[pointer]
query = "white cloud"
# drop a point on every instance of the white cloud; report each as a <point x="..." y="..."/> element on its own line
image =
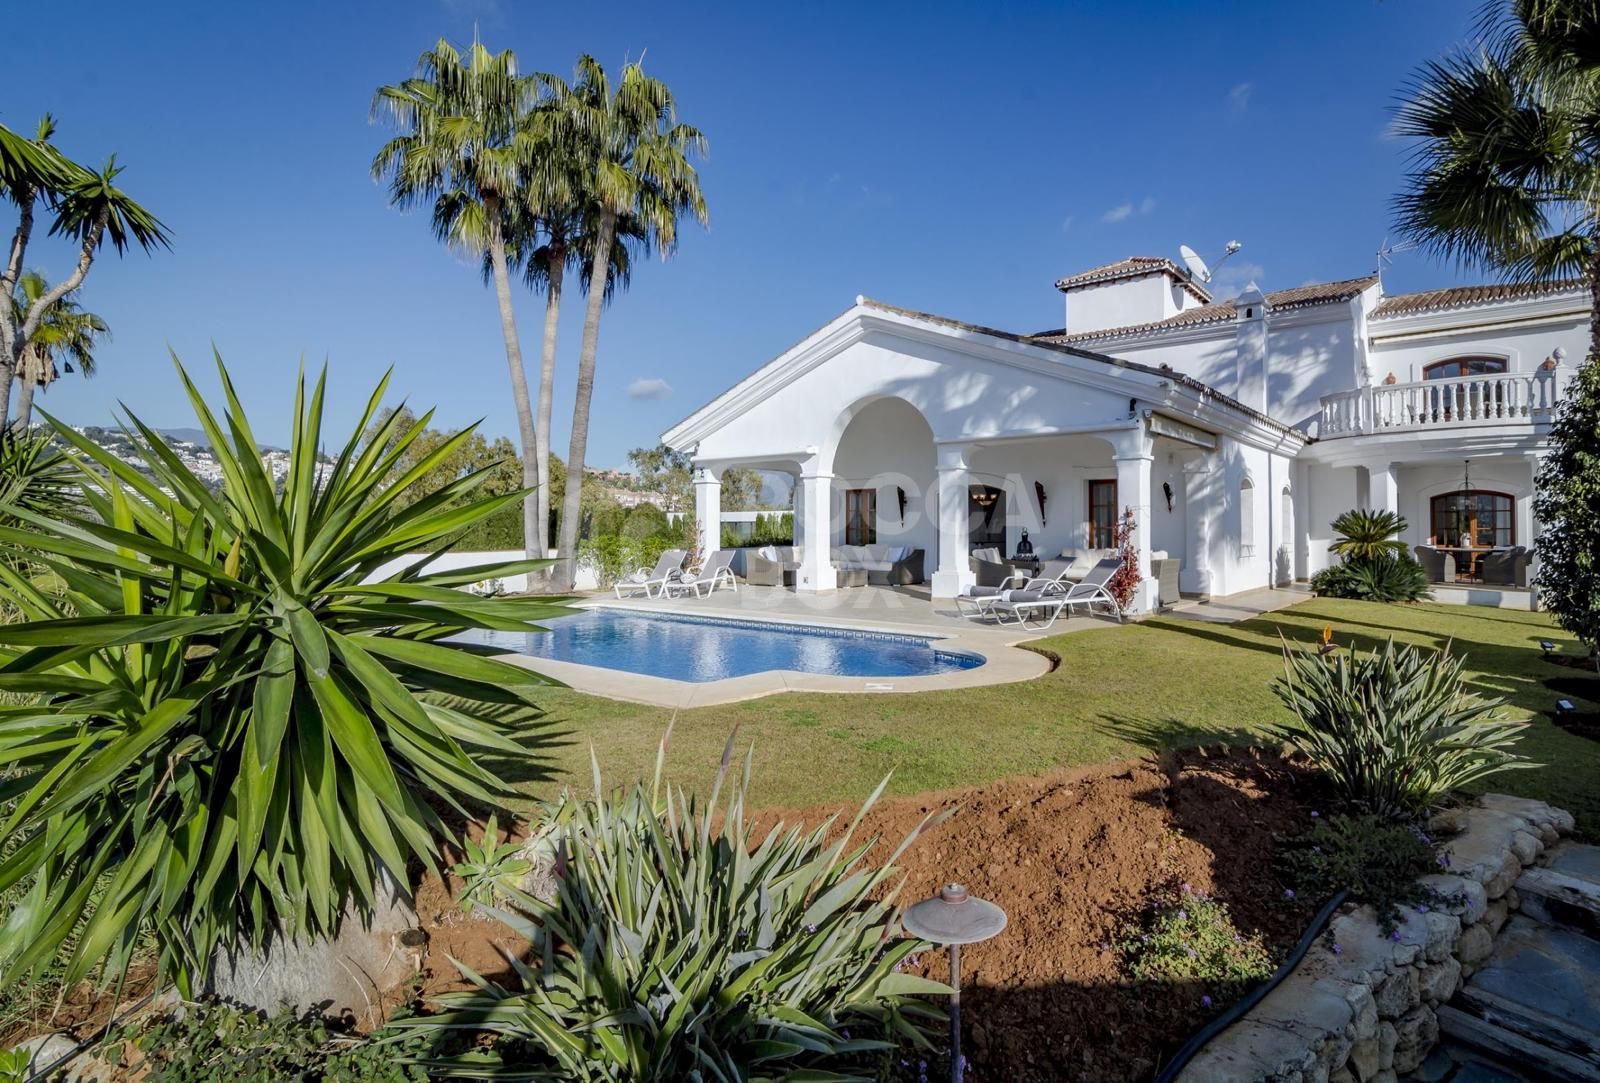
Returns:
<point x="1124" y="211"/>
<point x="652" y="387"/>
<point x="1239" y="96"/>
<point x="1066" y="223"/>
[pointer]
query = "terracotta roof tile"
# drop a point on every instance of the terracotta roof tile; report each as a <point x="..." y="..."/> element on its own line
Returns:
<point x="1135" y="267"/>
<point x="1403" y="304"/>
<point x="1318" y="293"/>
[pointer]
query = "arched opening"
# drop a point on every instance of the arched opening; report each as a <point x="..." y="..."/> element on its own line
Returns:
<point x="1474" y="393"/>
<point x="1285" y="557"/>
<point x="884" y="470"/>
<point x="1471" y="522"/>
<point x="1247" y="516"/>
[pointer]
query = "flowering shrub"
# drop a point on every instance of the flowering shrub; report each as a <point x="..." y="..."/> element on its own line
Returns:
<point x="1124" y="582"/>
<point x="1188" y="936"/>
<point x="1376" y="858"/>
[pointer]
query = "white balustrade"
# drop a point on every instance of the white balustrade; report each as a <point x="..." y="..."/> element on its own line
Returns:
<point x="1501" y="398"/>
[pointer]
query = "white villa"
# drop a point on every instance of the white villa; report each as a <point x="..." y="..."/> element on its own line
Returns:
<point x="1236" y="430"/>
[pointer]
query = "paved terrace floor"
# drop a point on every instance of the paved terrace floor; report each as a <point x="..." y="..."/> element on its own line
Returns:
<point x="906" y="610"/>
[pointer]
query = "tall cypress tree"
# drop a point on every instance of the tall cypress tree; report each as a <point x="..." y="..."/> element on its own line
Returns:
<point x="1567" y="505"/>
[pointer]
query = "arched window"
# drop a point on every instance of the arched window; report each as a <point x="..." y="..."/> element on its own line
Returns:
<point x="1247" y="515"/>
<point x="1474" y="520"/>
<point x="1464" y="366"/>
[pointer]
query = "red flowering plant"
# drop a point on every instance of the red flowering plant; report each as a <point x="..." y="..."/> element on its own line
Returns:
<point x="1124" y="582"/>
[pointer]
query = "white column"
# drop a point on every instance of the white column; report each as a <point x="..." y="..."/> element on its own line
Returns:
<point x="1198" y="507"/>
<point x="1133" y="456"/>
<point x="814" y="529"/>
<point x="1383" y="490"/>
<point x="708" y="509"/>
<point x="954" y="573"/>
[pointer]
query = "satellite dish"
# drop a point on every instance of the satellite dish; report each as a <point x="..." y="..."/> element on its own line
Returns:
<point x="1197" y="266"/>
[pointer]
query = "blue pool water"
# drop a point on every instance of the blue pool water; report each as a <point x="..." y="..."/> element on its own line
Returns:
<point x="701" y="649"/>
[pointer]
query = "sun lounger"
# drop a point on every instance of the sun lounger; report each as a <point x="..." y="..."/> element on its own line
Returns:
<point x="716" y="571"/>
<point x="669" y="569"/>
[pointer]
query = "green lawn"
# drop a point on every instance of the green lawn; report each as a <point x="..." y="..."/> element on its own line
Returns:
<point x="1116" y="693"/>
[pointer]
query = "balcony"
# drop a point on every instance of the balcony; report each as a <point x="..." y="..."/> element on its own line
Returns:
<point x="1502" y="398"/>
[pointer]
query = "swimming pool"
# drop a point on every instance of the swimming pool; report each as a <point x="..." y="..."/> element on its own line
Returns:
<point x="700" y="649"/>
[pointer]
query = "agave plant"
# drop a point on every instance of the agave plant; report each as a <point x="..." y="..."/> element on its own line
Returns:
<point x="491" y="868"/>
<point x="680" y="945"/>
<point x="1394" y="729"/>
<point x="237" y="733"/>
<point x="1367" y="535"/>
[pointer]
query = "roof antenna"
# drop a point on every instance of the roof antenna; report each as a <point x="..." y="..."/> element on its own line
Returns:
<point x="1197" y="266"/>
<point x="1386" y="254"/>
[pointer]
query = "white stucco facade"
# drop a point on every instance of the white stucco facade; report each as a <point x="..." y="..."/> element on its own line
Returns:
<point x="1235" y="431"/>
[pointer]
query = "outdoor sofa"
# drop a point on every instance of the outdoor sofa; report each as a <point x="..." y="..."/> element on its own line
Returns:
<point x="771" y="565"/>
<point x="1507" y="566"/>
<point x="893" y="565"/>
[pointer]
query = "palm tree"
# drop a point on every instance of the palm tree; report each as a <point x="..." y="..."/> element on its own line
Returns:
<point x="633" y="161"/>
<point x="1506" y="174"/>
<point x="546" y="246"/>
<point x="66" y="336"/>
<point x="466" y="146"/>
<point x="1368" y="535"/>
<point x="89" y="209"/>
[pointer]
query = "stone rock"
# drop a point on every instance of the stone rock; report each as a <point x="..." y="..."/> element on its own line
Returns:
<point x="1385" y="1075"/>
<point x="1527" y="846"/>
<point x="1365" y="1009"/>
<point x="1315" y="1008"/>
<point x="1251" y="1050"/>
<point x="1388" y="1038"/>
<point x="1475" y="945"/>
<point x="1440" y="981"/>
<point x="1342" y="1075"/>
<point x="1457" y="895"/>
<point x="1536" y="813"/>
<point x="1513" y="898"/>
<point x="1494" y="918"/>
<point x="1484" y="848"/>
<point x="1442" y="932"/>
<point x="542" y="854"/>
<point x="1398" y="992"/>
<point x="1364" y="1058"/>
<point x="347" y="974"/>
<point x="1417" y="1032"/>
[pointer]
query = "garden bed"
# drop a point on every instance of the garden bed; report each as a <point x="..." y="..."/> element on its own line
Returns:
<point x="1073" y="857"/>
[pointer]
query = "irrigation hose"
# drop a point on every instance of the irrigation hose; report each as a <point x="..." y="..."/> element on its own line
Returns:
<point x="1198" y="1040"/>
<point x="38" y="1075"/>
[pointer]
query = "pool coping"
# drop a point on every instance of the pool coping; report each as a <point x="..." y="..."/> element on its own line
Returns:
<point x="1004" y="663"/>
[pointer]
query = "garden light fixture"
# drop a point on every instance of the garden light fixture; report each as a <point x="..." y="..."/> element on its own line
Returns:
<point x="953" y="918"/>
<point x="1546" y="646"/>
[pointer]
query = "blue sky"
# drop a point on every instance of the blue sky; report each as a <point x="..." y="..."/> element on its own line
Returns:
<point x="952" y="158"/>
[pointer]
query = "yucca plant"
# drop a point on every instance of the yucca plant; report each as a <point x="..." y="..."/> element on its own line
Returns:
<point x="237" y="733"/>
<point x="1367" y="535"/>
<point x="1394" y="729"/>
<point x="679" y="945"/>
<point x="35" y="475"/>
